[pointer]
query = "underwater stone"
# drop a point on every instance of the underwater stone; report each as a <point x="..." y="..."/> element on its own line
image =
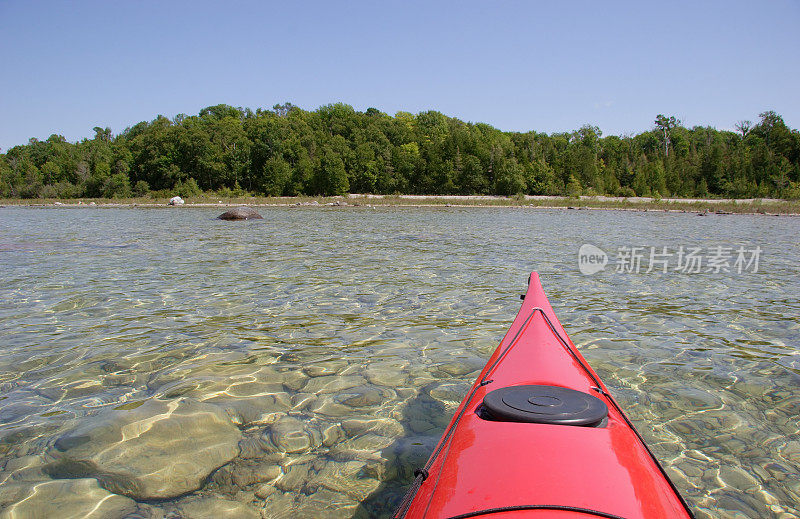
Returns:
<point x="369" y="442"/>
<point x="213" y="507"/>
<point x="332" y="384"/>
<point x="344" y="477"/>
<point x="450" y="391"/>
<point x="291" y="435"/>
<point x="63" y="498"/>
<point x="256" y="409"/>
<point x="383" y="426"/>
<point x="294" y="478"/>
<point x="332" y="434"/>
<point x="389" y="373"/>
<point x="361" y="397"/>
<point x="294" y="380"/>
<point x="265" y="490"/>
<point x="243" y="473"/>
<point x="157" y="450"/>
<point x="301" y="401"/>
<point x="327" y="504"/>
<point x="321" y="369"/>
<point x="327" y="406"/>
<point x="458" y="368"/>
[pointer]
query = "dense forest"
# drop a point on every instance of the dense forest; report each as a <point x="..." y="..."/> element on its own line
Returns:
<point x="336" y="150"/>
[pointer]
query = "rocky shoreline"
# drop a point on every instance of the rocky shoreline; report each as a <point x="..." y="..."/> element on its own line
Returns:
<point x="770" y="207"/>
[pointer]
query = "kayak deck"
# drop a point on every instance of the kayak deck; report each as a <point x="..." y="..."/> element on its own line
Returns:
<point x="535" y="470"/>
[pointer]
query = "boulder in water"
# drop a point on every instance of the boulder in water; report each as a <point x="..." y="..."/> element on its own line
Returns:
<point x="240" y="213"/>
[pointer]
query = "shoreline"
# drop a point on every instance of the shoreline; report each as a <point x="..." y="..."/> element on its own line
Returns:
<point x="767" y="207"/>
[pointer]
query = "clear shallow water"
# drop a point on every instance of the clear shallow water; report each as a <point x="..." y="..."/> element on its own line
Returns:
<point x="338" y="342"/>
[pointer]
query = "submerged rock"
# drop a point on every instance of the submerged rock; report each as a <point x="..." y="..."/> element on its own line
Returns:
<point x="292" y="436"/>
<point x="23" y="469"/>
<point x="244" y="473"/>
<point x="450" y="392"/>
<point x="387" y="373"/>
<point x="255" y="408"/>
<point x="325" y="503"/>
<point x="343" y="477"/>
<point x="332" y="384"/>
<point x="240" y="213"/>
<point x="264" y="490"/>
<point x="328" y="367"/>
<point x="294" y="478"/>
<point x="332" y="434"/>
<point x="383" y="426"/>
<point x="213" y="507"/>
<point x="461" y="367"/>
<point x="157" y="450"/>
<point x="65" y="498"/>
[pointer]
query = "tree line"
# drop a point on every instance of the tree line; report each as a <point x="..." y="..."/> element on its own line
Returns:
<point x="337" y="149"/>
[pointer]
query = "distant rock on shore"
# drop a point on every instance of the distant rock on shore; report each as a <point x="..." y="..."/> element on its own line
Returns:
<point x="240" y="213"/>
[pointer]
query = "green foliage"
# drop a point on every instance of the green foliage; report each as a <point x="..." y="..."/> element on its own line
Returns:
<point x="235" y="192"/>
<point x="510" y="179"/>
<point x="331" y="178"/>
<point x="337" y="149"/>
<point x="573" y="188"/>
<point x="59" y="190"/>
<point x="117" y="186"/>
<point x="187" y="189"/>
<point x="276" y="177"/>
<point x="141" y="188"/>
<point x="640" y="184"/>
<point x="625" y="192"/>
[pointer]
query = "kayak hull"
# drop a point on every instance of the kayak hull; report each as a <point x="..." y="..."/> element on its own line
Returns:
<point x="510" y="469"/>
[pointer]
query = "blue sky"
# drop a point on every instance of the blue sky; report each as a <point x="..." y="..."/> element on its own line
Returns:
<point x="66" y="67"/>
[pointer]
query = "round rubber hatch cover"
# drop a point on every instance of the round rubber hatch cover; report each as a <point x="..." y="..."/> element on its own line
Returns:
<point x="545" y="404"/>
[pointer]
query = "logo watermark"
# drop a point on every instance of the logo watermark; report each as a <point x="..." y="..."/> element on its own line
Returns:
<point x="591" y="259"/>
<point x="681" y="259"/>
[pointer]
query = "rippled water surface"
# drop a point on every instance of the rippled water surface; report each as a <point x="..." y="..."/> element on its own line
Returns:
<point x="159" y="362"/>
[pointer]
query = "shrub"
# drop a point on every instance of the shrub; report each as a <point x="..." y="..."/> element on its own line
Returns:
<point x="573" y="187"/>
<point x="188" y="189"/>
<point x="236" y="192"/>
<point x="141" y="188"/>
<point x="626" y="192"/>
<point x="117" y="186"/>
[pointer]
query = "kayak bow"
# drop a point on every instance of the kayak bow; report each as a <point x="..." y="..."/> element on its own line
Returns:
<point x="539" y="436"/>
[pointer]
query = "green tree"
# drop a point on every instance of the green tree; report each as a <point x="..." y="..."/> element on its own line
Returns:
<point x="665" y="125"/>
<point x="141" y="188"/>
<point x="331" y="176"/>
<point x="573" y="187"/>
<point x="473" y="180"/>
<point x="288" y="150"/>
<point x="117" y="186"/>
<point x="510" y="179"/>
<point x="276" y="177"/>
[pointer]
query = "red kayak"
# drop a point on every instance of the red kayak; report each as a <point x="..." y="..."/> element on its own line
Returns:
<point x="539" y="436"/>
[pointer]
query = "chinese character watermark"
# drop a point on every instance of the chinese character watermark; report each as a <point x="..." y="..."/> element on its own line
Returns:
<point x="684" y="260"/>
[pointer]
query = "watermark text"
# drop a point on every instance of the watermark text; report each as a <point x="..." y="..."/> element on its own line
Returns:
<point x="681" y="259"/>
